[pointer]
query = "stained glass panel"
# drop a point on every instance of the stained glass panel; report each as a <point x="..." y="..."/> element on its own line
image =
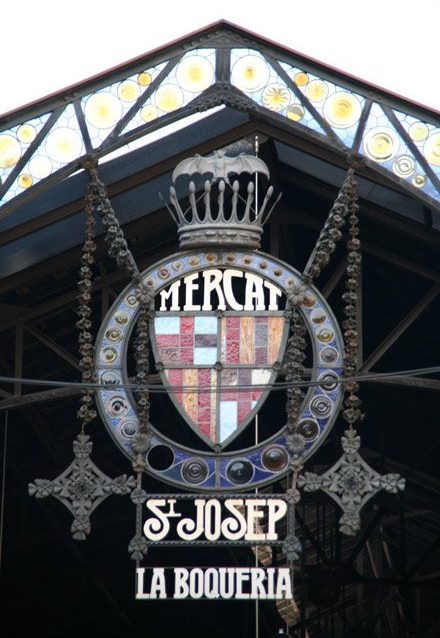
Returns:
<point x="192" y="75"/>
<point x="104" y="108"/>
<point x="382" y="144"/>
<point x="63" y="144"/>
<point x="252" y="74"/>
<point x="340" y="107"/>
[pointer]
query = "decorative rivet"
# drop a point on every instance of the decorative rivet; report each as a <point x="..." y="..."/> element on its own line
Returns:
<point x="117" y="406"/>
<point x="132" y="301"/>
<point x="110" y="355"/>
<point x="121" y="318"/>
<point x="113" y="334"/>
<point x="194" y="471"/>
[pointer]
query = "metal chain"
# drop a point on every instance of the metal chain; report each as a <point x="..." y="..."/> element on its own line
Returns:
<point x="295" y="352"/>
<point x="331" y="232"/>
<point x="351" y="411"/>
<point x="118" y="248"/>
<point x="86" y="412"/>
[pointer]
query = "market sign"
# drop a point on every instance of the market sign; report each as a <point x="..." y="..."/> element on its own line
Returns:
<point x="213" y="583"/>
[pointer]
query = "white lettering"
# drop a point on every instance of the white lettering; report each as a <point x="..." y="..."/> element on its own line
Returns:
<point x="253" y="514"/>
<point x="228" y="275"/>
<point x="181" y="589"/>
<point x="277" y="509"/>
<point x="190" y="287"/>
<point x="218" y="287"/>
<point x="274" y="292"/>
<point x="157" y="587"/>
<point x="254" y="292"/>
<point x="212" y="282"/>
<point x="172" y="292"/>
<point x="284" y="584"/>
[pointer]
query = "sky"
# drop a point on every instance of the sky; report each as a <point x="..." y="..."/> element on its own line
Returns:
<point x="48" y="45"/>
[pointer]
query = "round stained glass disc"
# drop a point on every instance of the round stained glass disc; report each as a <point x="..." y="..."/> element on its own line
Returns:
<point x="275" y="97"/>
<point x="418" y="131"/>
<point x="40" y="166"/>
<point x="342" y="109"/>
<point x="26" y="133"/>
<point x="317" y="91"/>
<point x="240" y="471"/>
<point x="194" y="471"/>
<point x="63" y="145"/>
<point x="10" y="151"/>
<point x="250" y="73"/>
<point x="128" y="91"/>
<point x="381" y="144"/>
<point x="144" y="78"/>
<point x="431" y="149"/>
<point x="149" y="113"/>
<point x="295" y="112"/>
<point x="404" y="165"/>
<point x="195" y="73"/>
<point x="25" y="180"/>
<point x="301" y="78"/>
<point x="103" y="110"/>
<point x="169" y="97"/>
<point x="419" y="181"/>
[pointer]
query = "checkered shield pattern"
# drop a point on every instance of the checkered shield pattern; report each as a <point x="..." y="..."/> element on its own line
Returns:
<point x="217" y="368"/>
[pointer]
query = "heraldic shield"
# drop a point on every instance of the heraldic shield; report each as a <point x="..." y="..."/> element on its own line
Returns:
<point x="219" y="367"/>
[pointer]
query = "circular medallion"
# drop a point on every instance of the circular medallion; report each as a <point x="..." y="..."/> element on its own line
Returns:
<point x="187" y="344"/>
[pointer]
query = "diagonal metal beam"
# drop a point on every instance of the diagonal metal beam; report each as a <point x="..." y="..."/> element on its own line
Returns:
<point x="400" y="328"/>
<point x="55" y="347"/>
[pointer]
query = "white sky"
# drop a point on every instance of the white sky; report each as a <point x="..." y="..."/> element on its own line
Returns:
<point x="48" y="45"/>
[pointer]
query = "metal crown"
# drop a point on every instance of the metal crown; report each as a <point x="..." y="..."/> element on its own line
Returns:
<point x="220" y="216"/>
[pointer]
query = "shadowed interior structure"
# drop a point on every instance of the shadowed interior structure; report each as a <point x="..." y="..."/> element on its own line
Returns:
<point x="220" y="88"/>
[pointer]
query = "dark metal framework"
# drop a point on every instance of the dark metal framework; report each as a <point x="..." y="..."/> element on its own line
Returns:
<point x="385" y="581"/>
<point x="223" y="37"/>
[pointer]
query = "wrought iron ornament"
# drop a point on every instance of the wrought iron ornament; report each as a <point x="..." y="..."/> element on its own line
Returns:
<point x="215" y="379"/>
<point x="82" y="487"/>
<point x="351" y="482"/>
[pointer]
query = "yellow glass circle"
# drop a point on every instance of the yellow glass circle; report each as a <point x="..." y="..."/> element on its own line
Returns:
<point x="317" y="90"/>
<point x="295" y="112"/>
<point x="149" y="113"/>
<point x="144" y="78"/>
<point x="40" y="166"/>
<point x="381" y="144"/>
<point x="128" y="91"/>
<point x="275" y="97"/>
<point x="419" y="181"/>
<point x="195" y="73"/>
<point x="169" y="97"/>
<point x="431" y="149"/>
<point x="63" y="145"/>
<point x="250" y="73"/>
<point x="404" y="165"/>
<point x="25" y="180"/>
<point x="301" y="78"/>
<point x="418" y="131"/>
<point x="342" y="109"/>
<point x="103" y="110"/>
<point x="26" y="133"/>
<point x="10" y="151"/>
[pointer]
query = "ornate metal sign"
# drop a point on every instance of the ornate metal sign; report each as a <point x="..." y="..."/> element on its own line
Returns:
<point x="227" y="324"/>
<point x="219" y="333"/>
